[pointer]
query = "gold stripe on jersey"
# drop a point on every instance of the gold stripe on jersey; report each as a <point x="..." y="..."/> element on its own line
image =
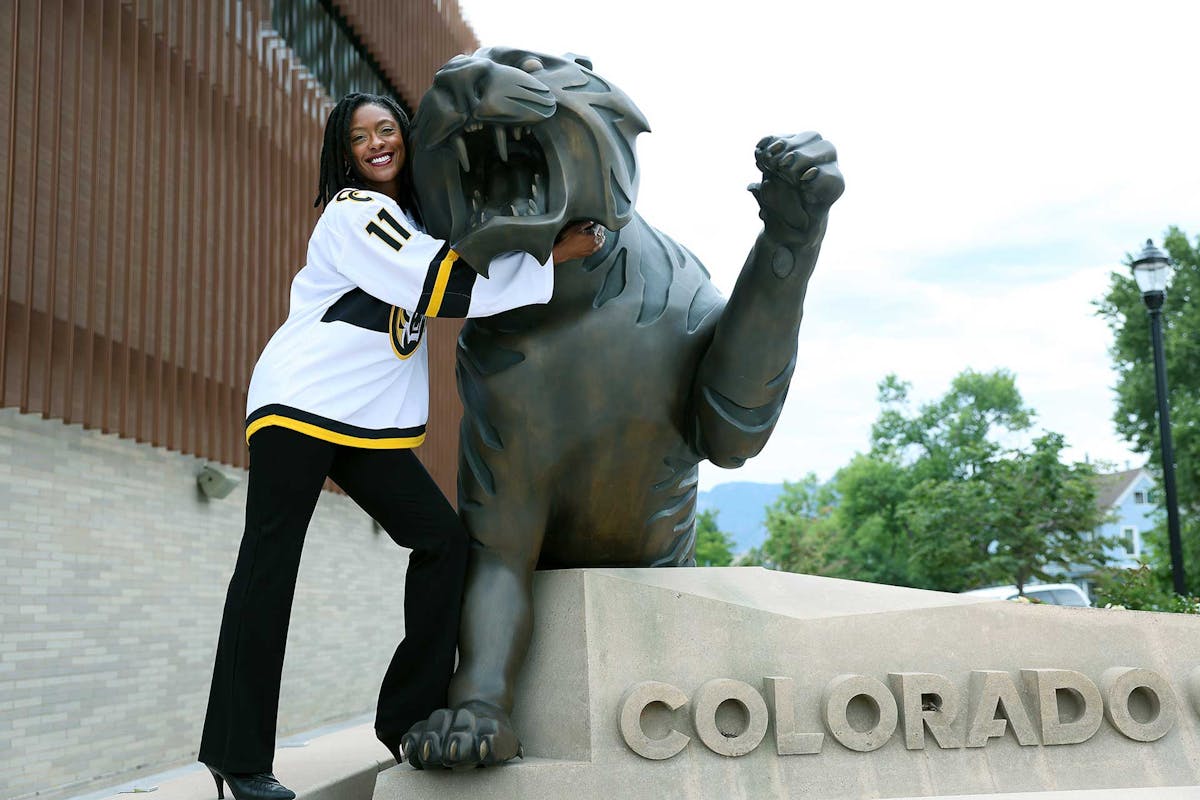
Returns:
<point x="439" y="286"/>
<point x="317" y="432"/>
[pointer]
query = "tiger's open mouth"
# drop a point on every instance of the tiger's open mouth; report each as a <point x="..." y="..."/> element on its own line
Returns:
<point x="502" y="171"/>
<point x="510" y="147"/>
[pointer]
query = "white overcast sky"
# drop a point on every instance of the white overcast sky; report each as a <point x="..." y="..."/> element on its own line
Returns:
<point x="1001" y="158"/>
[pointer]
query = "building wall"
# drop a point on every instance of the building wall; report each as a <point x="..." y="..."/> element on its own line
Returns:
<point x="112" y="582"/>
<point x="159" y="164"/>
<point x="159" y="200"/>
<point x="408" y="61"/>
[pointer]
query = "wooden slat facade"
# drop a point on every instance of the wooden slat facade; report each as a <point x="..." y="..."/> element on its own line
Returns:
<point x="156" y="200"/>
<point x="409" y="63"/>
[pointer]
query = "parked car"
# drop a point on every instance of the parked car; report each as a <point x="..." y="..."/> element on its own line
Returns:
<point x="1055" y="594"/>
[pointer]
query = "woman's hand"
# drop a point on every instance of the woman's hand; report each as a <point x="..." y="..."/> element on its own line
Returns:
<point x="578" y="240"/>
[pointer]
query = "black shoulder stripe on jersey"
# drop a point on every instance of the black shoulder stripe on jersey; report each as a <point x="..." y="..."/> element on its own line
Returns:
<point x="457" y="300"/>
<point x="361" y="310"/>
<point x="431" y="276"/>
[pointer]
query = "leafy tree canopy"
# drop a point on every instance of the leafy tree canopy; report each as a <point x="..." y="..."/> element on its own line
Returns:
<point x="952" y="437"/>
<point x="798" y="527"/>
<point x="945" y="499"/>
<point x="714" y="547"/>
<point x="1022" y="515"/>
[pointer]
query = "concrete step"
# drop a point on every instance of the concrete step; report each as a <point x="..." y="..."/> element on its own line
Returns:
<point x="338" y="765"/>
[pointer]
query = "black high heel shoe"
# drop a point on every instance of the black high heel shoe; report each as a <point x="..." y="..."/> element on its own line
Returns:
<point x="250" y="785"/>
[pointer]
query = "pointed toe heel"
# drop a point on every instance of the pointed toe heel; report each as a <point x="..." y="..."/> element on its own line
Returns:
<point x="250" y="785"/>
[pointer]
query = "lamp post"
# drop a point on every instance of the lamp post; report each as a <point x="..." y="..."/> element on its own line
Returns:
<point x="1150" y="270"/>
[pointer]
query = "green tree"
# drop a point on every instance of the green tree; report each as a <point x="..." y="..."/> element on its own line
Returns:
<point x="1136" y="416"/>
<point x="714" y="547"/>
<point x="869" y="541"/>
<point x="954" y="436"/>
<point x="931" y="448"/>
<point x="946" y="499"/>
<point x="798" y="527"/>
<point x="1021" y="515"/>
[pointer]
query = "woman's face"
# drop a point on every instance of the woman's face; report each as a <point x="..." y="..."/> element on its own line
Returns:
<point x="377" y="147"/>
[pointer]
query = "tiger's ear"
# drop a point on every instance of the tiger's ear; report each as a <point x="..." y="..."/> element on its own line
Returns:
<point x="582" y="61"/>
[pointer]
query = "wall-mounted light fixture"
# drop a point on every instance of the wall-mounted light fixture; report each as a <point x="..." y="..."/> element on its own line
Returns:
<point x="215" y="482"/>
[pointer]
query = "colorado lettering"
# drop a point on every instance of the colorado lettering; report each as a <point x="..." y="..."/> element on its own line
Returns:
<point x="927" y="709"/>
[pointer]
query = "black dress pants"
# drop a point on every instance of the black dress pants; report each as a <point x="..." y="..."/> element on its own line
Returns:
<point x="287" y="470"/>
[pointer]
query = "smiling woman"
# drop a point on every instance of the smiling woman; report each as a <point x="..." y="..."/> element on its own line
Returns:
<point x="341" y="392"/>
<point x="366" y="147"/>
<point x="378" y="147"/>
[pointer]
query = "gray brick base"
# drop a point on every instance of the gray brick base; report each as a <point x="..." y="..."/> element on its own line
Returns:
<point x="113" y="569"/>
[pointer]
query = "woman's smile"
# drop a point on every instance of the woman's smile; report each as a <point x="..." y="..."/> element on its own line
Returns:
<point x="378" y="147"/>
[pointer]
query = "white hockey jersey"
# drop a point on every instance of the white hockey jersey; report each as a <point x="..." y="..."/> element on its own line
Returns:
<point x="348" y="365"/>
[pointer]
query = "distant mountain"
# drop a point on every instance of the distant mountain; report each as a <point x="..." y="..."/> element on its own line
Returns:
<point x="741" y="508"/>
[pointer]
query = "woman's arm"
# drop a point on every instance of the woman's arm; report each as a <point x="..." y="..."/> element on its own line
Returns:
<point x="386" y="256"/>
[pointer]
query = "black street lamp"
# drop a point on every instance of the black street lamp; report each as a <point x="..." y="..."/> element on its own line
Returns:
<point x="1150" y="270"/>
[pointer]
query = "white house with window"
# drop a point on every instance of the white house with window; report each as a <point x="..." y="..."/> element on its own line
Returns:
<point x="1130" y="497"/>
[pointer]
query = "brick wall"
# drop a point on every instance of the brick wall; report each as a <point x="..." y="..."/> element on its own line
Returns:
<point x="113" y="570"/>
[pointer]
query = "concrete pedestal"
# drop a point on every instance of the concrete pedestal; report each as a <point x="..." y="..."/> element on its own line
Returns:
<point x="747" y="683"/>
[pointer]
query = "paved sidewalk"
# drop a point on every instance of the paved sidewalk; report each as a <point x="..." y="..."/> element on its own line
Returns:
<point x="1150" y="793"/>
<point x="335" y="763"/>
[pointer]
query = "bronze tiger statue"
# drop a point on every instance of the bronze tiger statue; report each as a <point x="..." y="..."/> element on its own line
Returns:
<point x="585" y="418"/>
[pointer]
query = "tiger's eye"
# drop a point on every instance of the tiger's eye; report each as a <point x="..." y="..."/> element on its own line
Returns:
<point x="532" y="64"/>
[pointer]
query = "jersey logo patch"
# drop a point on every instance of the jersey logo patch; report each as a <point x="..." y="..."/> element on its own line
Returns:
<point x="351" y="194"/>
<point x="407" y="331"/>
